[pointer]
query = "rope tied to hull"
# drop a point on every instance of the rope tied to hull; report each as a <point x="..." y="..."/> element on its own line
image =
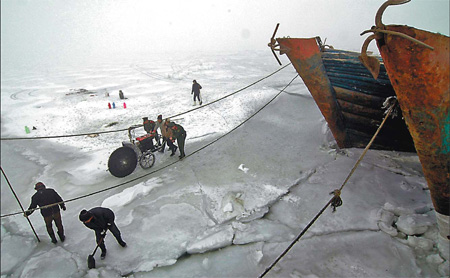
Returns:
<point x="391" y="104"/>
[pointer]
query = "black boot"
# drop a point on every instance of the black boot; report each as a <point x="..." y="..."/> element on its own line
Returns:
<point x="174" y="150"/>
<point x="62" y="237"/>
<point x="52" y="236"/>
<point x="163" y="146"/>
<point x="122" y="243"/>
<point x="103" y="255"/>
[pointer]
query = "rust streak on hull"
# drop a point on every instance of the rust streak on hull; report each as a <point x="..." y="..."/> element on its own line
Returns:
<point x="348" y="97"/>
<point x="306" y="58"/>
<point x="420" y="77"/>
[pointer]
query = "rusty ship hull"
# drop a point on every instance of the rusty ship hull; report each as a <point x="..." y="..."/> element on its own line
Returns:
<point x="347" y="95"/>
<point x="420" y="78"/>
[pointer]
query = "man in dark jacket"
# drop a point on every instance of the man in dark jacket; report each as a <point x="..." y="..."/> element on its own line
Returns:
<point x="101" y="219"/>
<point x="179" y="134"/>
<point x="121" y="96"/>
<point x="149" y="127"/>
<point x="46" y="196"/>
<point x="196" y="91"/>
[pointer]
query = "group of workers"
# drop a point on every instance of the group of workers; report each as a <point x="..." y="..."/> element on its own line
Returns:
<point x="101" y="219"/>
<point x="98" y="219"/>
<point x="170" y="132"/>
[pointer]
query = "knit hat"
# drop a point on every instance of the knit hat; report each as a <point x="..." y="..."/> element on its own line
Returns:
<point x="39" y="185"/>
<point x="85" y="215"/>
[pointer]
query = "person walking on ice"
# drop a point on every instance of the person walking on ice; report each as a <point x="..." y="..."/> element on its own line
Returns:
<point x="43" y="197"/>
<point x="196" y="91"/>
<point x="101" y="219"/>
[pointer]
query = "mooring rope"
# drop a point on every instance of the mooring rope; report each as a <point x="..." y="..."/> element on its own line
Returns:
<point x="125" y="129"/>
<point x="20" y="204"/>
<point x="336" y="200"/>
<point x="159" y="169"/>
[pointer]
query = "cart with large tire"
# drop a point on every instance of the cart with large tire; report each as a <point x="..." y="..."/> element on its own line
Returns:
<point x="124" y="160"/>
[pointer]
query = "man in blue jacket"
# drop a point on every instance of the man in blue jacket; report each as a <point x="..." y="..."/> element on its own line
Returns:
<point x="43" y="197"/>
<point x="101" y="219"/>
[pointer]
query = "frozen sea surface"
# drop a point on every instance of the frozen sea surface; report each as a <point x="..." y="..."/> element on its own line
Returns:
<point x="226" y="210"/>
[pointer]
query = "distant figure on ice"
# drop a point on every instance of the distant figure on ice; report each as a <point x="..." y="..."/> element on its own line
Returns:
<point x="101" y="219"/>
<point x="46" y="196"/>
<point x="121" y="94"/>
<point x="196" y="91"/>
<point x="179" y="134"/>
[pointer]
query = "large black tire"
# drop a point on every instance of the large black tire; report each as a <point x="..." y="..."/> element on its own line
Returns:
<point x="122" y="162"/>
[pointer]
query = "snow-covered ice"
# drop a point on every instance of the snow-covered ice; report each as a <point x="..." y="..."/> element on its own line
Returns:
<point x="227" y="210"/>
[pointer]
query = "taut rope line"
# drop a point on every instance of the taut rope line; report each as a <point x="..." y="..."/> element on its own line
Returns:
<point x="157" y="170"/>
<point x="336" y="200"/>
<point x="20" y="204"/>
<point x="125" y="129"/>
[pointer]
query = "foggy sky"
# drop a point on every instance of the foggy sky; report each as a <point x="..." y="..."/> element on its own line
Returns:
<point x="34" y="31"/>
